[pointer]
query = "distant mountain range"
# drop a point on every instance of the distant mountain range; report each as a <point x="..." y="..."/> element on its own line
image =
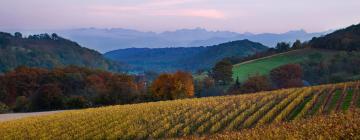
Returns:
<point x="183" y="58"/>
<point x="105" y="40"/>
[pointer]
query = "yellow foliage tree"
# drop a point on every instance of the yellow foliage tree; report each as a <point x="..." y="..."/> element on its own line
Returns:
<point x="173" y="86"/>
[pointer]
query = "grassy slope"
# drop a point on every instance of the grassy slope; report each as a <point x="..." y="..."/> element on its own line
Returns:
<point x="167" y="119"/>
<point x="263" y="66"/>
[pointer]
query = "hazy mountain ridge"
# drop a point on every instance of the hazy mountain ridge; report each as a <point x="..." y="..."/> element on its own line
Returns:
<point x="105" y="40"/>
<point x="183" y="58"/>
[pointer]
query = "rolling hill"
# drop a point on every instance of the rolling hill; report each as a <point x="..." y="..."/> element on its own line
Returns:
<point x="264" y="65"/>
<point x="48" y="52"/>
<point x="190" y="59"/>
<point x="343" y="39"/>
<point x="201" y="116"/>
<point x="343" y="42"/>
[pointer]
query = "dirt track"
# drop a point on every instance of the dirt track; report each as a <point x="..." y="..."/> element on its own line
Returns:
<point x="13" y="116"/>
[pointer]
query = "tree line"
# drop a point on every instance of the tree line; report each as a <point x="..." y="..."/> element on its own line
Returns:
<point x="35" y="89"/>
<point x="280" y="47"/>
<point x="221" y="82"/>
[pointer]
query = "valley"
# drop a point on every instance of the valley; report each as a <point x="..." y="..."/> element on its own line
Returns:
<point x="179" y="70"/>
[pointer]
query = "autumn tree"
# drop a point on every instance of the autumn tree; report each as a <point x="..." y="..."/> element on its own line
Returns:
<point x="184" y="86"/>
<point x="122" y="89"/>
<point x="222" y="72"/>
<point x="256" y="83"/>
<point x="35" y="89"/>
<point x="48" y="97"/>
<point x="173" y="86"/>
<point x="286" y="76"/>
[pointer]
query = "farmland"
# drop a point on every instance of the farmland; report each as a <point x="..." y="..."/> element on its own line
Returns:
<point x="334" y="126"/>
<point x="187" y="117"/>
<point x="264" y="65"/>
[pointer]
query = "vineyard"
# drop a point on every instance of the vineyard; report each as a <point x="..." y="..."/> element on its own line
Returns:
<point x="201" y="116"/>
<point x="334" y="126"/>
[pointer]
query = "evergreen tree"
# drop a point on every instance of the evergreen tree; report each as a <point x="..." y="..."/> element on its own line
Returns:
<point x="222" y="72"/>
<point x="296" y="45"/>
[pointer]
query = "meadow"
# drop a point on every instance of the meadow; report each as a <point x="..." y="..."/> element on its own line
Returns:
<point x="187" y="117"/>
<point x="264" y="65"/>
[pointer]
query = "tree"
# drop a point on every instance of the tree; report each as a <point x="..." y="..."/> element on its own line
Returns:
<point x="208" y="82"/>
<point x="236" y="87"/>
<point x="18" y="35"/>
<point x="282" y="47"/>
<point x="4" y="42"/>
<point x="162" y="86"/>
<point x="184" y="86"/>
<point x="121" y="89"/>
<point x="173" y="86"/>
<point x="222" y="72"/>
<point x="296" y="45"/>
<point x="54" y="36"/>
<point x="256" y="83"/>
<point x="287" y="76"/>
<point x="35" y="89"/>
<point x="48" y="97"/>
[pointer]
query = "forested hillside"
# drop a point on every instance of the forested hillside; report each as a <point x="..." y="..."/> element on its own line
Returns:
<point x="191" y="59"/>
<point x="48" y="51"/>
<point x="344" y="39"/>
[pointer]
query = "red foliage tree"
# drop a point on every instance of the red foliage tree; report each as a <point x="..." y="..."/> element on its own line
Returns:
<point x="256" y="83"/>
<point x="287" y="76"/>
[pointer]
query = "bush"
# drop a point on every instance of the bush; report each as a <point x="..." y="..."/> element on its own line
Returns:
<point x="256" y="83"/>
<point x="287" y="76"/>
<point x="3" y="108"/>
<point x="75" y="102"/>
<point x="22" y="104"/>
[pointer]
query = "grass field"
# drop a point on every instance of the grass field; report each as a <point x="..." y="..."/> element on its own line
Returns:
<point x="188" y="117"/>
<point x="263" y="66"/>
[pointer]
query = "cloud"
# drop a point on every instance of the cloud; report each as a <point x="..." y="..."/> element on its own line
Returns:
<point x="203" y="13"/>
<point x="168" y="2"/>
<point x="157" y="8"/>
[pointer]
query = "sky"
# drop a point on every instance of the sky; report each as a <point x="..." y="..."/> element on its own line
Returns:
<point x="256" y="16"/>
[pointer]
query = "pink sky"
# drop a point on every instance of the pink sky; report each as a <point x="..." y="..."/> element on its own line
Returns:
<point x="159" y="15"/>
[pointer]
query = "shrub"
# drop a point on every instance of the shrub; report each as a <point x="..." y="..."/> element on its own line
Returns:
<point x="256" y="83"/>
<point x="22" y="104"/>
<point x="287" y="76"/>
<point x="75" y="102"/>
<point x="3" y="108"/>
